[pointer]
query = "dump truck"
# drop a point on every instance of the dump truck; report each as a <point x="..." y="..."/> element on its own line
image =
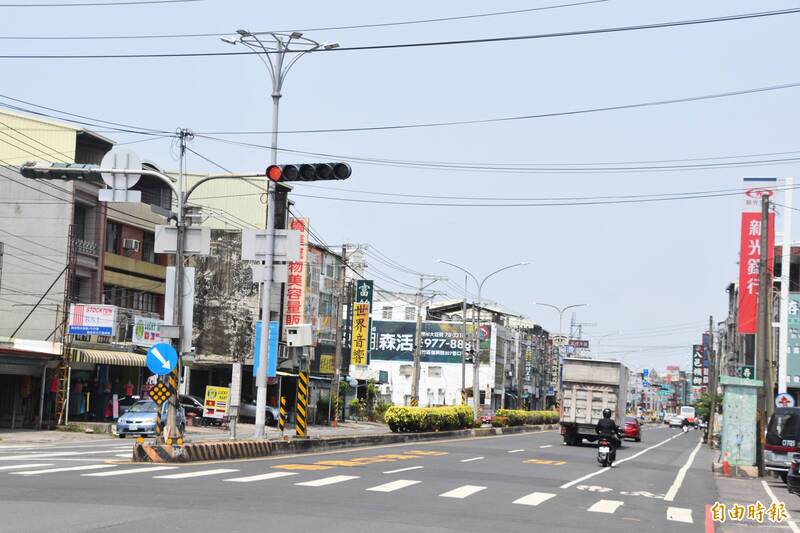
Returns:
<point x="589" y="386"/>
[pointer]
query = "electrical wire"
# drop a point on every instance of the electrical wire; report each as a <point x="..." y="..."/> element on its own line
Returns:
<point x="102" y="4"/>
<point x="325" y="28"/>
<point x="397" y="46"/>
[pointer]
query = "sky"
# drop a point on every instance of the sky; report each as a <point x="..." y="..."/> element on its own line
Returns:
<point x="651" y="273"/>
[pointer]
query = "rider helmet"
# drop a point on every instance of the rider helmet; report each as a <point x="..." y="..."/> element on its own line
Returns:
<point x="606" y="413"/>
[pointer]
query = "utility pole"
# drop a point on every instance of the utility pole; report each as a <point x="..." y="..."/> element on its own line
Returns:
<point x="418" y="337"/>
<point x="464" y="350"/>
<point x="712" y="381"/>
<point x="786" y="251"/>
<point x="762" y="337"/>
<point x="339" y="329"/>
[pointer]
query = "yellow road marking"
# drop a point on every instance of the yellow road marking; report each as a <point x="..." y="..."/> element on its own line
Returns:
<point x="360" y="461"/>
<point x="303" y="467"/>
<point x="545" y="462"/>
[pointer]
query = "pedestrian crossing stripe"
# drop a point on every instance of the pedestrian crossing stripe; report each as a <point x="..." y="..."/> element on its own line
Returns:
<point x="301" y="406"/>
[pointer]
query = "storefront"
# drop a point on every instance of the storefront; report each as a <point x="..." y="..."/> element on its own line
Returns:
<point x="23" y="374"/>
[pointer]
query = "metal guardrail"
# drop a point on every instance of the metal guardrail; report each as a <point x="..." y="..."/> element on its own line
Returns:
<point x="85" y="247"/>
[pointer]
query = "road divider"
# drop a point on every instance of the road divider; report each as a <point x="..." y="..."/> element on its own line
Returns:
<point x="244" y="449"/>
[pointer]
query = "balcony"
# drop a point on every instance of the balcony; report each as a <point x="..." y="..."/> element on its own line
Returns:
<point x="85" y="247"/>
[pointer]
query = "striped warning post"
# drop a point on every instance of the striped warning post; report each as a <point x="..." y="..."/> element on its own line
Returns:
<point x="302" y="404"/>
<point x="172" y="381"/>
<point x="463" y="397"/>
<point x="282" y="418"/>
<point x="414" y="402"/>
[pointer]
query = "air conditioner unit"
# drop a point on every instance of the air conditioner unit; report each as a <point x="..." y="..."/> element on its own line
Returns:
<point x="131" y="244"/>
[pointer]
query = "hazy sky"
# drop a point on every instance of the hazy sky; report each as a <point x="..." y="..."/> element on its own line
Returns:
<point x="654" y="271"/>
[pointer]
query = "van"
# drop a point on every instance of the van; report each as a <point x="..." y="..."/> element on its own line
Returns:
<point x="783" y="437"/>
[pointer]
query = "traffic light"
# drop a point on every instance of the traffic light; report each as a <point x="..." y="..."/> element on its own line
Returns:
<point x="56" y="171"/>
<point x="309" y="172"/>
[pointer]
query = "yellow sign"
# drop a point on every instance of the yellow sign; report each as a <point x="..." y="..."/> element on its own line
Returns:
<point x="326" y="363"/>
<point x="360" y="341"/>
<point x="216" y="404"/>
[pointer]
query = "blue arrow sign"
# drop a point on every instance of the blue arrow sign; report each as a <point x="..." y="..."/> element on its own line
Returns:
<point x="162" y="358"/>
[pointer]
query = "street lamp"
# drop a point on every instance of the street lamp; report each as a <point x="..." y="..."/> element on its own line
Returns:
<point x="272" y="49"/>
<point x="560" y="311"/>
<point x="476" y="393"/>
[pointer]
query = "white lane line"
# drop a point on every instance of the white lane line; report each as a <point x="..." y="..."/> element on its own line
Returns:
<point x="199" y="473"/>
<point x="403" y="469"/>
<point x="534" y="498"/>
<point x="606" y="506"/>
<point x="65" y="469"/>
<point x="394" y="485"/>
<point x="676" y="485"/>
<point x="124" y="455"/>
<point x="634" y="456"/>
<point x="326" y="481"/>
<point x="48" y="455"/>
<point x="679" y="514"/>
<point x="473" y="459"/>
<point x="261" y="477"/>
<point x="22" y="467"/>
<point x="140" y="470"/>
<point x="516" y="451"/>
<point x="792" y="524"/>
<point x="462" y="491"/>
<point x="546" y="446"/>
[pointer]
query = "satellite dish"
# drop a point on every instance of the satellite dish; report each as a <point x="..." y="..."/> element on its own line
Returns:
<point x="125" y="159"/>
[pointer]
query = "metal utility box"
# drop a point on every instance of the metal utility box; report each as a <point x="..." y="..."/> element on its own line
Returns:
<point x="300" y="335"/>
<point x="590" y="386"/>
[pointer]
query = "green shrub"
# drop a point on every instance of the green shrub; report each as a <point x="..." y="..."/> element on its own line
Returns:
<point x="499" y="421"/>
<point x="517" y="417"/>
<point x="422" y="419"/>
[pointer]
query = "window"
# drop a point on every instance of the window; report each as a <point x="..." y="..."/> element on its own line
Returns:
<point x="386" y="312"/>
<point x="411" y="313"/>
<point x="113" y="233"/>
<point x="148" y="247"/>
<point x="80" y="222"/>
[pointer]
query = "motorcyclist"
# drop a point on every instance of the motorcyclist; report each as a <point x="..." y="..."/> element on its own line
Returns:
<point x="606" y="427"/>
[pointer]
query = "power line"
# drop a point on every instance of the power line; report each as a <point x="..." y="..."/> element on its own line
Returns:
<point x="325" y="28"/>
<point x="103" y="4"/>
<point x="425" y="44"/>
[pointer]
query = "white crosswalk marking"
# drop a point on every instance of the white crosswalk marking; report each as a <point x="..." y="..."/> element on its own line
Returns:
<point x="124" y="455"/>
<point x="326" y="481"/>
<point x="534" y="498"/>
<point x="462" y="491"/>
<point x="403" y="469"/>
<point x="546" y="446"/>
<point x="393" y="485"/>
<point x="261" y="477"/>
<point x="516" y="451"/>
<point x="35" y="456"/>
<point x="64" y="469"/>
<point x="141" y="470"/>
<point x="472" y="459"/>
<point x="22" y="467"/>
<point x="606" y="506"/>
<point x="679" y="514"/>
<point x="198" y="473"/>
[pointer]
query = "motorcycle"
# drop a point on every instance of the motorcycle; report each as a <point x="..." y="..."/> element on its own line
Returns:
<point x="686" y="428"/>
<point x="605" y="448"/>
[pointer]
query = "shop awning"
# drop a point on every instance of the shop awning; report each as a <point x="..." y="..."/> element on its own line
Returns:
<point x="105" y="357"/>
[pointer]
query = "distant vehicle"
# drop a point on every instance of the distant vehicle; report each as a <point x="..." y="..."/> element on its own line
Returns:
<point x="675" y="421"/>
<point x="141" y="419"/>
<point x="191" y="404"/>
<point x="247" y="411"/>
<point x="792" y="476"/>
<point x="783" y="436"/>
<point x="633" y="430"/>
<point x="688" y="412"/>
<point x="590" y="386"/>
<point x="125" y="403"/>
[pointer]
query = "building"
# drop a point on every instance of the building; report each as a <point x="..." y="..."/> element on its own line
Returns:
<point x="60" y="246"/>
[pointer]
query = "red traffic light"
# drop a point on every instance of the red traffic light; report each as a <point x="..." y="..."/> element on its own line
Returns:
<point x="274" y="172"/>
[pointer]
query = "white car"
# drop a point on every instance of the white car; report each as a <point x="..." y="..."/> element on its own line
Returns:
<point x="675" y="421"/>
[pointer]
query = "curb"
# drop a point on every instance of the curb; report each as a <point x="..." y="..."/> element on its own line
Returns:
<point x="247" y="449"/>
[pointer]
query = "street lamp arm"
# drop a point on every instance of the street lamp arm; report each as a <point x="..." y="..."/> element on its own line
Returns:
<point x="558" y="309"/>
<point x="575" y="305"/>
<point x="465" y="271"/>
<point x="501" y="270"/>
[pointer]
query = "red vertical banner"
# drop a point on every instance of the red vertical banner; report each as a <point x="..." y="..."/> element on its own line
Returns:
<point x="296" y="279"/>
<point x="749" y="258"/>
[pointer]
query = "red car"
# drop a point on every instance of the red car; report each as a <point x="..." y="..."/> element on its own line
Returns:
<point x="632" y="429"/>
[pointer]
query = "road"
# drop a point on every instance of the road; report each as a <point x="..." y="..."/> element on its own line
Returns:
<point x="507" y="483"/>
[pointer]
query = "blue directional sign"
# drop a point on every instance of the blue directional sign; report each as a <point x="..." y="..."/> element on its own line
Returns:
<point x="162" y="358"/>
<point x="645" y="383"/>
<point x="272" y="359"/>
<point x="645" y="372"/>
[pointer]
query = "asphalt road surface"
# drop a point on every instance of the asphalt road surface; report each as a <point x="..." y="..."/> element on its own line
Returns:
<point x="519" y="482"/>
